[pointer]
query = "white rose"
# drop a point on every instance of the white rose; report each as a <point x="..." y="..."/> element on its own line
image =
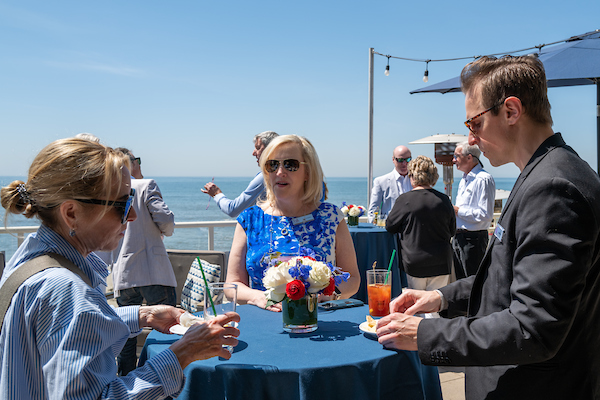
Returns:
<point x="274" y="296"/>
<point x="276" y="278"/>
<point x="318" y="277"/>
<point x="354" y="212"/>
<point x="345" y="210"/>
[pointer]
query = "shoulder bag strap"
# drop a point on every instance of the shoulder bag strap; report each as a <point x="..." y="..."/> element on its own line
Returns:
<point x="30" y="268"/>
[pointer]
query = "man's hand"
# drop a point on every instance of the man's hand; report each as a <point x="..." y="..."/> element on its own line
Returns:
<point x="398" y="331"/>
<point x="412" y="302"/>
<point x="211" y="189"/>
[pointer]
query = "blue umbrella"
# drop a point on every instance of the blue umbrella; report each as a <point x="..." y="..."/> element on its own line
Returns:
<point x="572" y="63"/>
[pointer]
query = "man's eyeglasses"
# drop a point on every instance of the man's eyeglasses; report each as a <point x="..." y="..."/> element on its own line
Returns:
<point x="136" y="159"/>
<point x="401" y="160"/>
<point x="470" y="120"/>
<point x="124" y="207"/>
<point x="289" y="164"/>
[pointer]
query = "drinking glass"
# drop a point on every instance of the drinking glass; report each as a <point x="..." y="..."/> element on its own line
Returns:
<point x="379" y="289"/>
<point x="224" y="299"/>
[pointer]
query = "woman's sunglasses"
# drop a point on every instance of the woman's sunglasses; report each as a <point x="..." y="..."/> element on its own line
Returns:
<point x="124" y="207"/>
<point x="289" y="164"/>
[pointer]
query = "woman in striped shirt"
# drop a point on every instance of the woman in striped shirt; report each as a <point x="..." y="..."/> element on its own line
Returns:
<point x="59" y="338"/>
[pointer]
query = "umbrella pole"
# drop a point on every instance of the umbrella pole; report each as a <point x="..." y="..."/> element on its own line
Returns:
<point x="598" y="122"/>
<point x="370" y="177"/>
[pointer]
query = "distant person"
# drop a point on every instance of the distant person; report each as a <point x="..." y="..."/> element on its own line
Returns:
<point x="425" y="222"/>
<point x="533" y="307"/>
<point x="256" y="187"/>
<point x="474" y="210"/>
<point x="60" y="337"/>
<point x="142" y="270"/>
<point x="136" y="163"/>
<point x="388" y="187"/>
<point x="291" y="216"/>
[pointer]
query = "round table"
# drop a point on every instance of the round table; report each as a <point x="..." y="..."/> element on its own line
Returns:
<point x="337" y="361"/>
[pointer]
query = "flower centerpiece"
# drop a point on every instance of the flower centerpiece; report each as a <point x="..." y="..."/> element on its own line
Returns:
<point x="352" y="212"/>
<point x="296" y="282"/>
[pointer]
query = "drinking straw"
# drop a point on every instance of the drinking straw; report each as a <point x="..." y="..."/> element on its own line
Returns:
<point x="206" y="289"/>
<point x="390" y="266"/>
<point x="213" y="180"/>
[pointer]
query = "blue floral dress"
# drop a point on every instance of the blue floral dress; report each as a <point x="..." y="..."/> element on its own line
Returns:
<point x="267" y="233"/>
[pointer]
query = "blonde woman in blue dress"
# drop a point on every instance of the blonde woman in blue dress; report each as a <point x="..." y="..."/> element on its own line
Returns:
<point x="291" y="217"/>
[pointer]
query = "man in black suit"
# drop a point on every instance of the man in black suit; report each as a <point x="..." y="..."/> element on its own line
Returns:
<point x="532" y="329"/>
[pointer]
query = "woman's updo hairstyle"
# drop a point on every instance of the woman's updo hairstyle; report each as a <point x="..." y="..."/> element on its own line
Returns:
<point x="66" y="169"/>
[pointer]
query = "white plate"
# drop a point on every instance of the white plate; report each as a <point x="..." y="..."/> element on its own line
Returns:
<point x="178" y="329"/>
<point x="367" y="330"/>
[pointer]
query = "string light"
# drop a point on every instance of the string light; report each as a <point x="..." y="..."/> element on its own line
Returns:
<point x="427" y="61"/>
<point x="387" y="68"/>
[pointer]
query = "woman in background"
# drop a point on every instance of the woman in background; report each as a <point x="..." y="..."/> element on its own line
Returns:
<point x="425" y="221"/>
<point x="292" y="216"/>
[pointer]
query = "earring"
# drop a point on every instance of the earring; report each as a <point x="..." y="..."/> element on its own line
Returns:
<point x="72" y="232"/>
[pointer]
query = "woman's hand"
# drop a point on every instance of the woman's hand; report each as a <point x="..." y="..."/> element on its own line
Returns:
<point x="160" y="317"/>
<point x="260" y="300"/>
<point x="206" y="340"/>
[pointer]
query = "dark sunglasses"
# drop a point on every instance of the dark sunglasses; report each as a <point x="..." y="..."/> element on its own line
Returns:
<point x="407" y="159"/>
<point x="289" y="164"/>
<point x="468" y="123"/>
<point x="124" y="207"/>
<point x="138" y="159"/>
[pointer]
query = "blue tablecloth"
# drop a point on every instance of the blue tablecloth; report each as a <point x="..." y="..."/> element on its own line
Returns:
<point x="337" y="361"/>
<point x="373" y="243"/>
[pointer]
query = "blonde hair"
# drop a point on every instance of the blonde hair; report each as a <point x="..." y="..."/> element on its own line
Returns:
<point x="423" y="171"/>
<point x="67" y="169"/>
<point x="314" y="188"/>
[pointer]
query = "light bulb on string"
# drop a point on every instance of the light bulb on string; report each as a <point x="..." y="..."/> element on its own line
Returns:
<point x="426" y="75"/>
<point x="387" y="68"/>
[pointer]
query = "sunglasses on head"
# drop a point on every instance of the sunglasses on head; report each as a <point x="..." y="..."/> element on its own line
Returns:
<point x="289" y="164"/>
<point x="124" y="207"/>
<point x="407" y="159"/>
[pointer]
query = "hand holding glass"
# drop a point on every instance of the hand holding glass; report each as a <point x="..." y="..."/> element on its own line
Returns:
<point x="220" y="298"/>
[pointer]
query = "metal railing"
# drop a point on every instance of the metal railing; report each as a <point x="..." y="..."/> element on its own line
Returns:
<point x="22" y="231"/>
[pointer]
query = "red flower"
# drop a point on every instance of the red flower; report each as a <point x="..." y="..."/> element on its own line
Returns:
<point x="328" y="291"/>
<point x="295" y="290"/>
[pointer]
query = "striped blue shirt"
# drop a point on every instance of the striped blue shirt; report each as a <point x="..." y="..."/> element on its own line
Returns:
<point x="60" y="337"/>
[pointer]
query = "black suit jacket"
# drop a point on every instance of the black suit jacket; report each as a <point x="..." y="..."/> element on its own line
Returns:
<point x="533" y="324"/>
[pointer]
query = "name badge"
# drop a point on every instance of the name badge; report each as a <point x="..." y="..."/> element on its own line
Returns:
<point x="499" y="232"/>
<point x="302" y="220"/>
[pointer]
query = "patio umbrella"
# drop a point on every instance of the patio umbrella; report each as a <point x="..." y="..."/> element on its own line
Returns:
<point x="572" y="63"/>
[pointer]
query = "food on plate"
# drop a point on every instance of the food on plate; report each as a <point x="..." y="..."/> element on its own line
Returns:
<point x="187" y="319"/>
<point x="371" y="324"/>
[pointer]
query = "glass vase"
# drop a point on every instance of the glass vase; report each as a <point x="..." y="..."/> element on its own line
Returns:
<point x="300" y="316"/>
<point x="352" y="221"/>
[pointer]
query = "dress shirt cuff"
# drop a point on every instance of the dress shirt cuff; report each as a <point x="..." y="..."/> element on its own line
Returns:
<point x="218" y="197"/>
<point x="167" y="367"/>
<point x="131" y="316"/>
<point x="444" y="304"/>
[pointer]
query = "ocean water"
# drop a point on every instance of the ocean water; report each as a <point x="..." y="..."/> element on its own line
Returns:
<point x="188" y="203"/>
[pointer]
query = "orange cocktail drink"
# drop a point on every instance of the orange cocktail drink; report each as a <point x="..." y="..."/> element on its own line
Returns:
<point x="379" y="290"/>
<point x="379" y="299"/>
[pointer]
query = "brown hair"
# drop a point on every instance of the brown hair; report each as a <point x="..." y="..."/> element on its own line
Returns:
<point x="314" y="187"/>
<point x="422" y="171"/>
<point x="66" y="169"/>
<point x="499" y="78"/>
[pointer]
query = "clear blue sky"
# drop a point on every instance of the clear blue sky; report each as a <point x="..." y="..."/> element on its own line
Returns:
<point x="186" y="84"/>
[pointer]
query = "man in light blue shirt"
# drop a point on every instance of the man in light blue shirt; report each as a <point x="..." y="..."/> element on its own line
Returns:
<point x="474" y="210"/>
<point x="256" y="187"/>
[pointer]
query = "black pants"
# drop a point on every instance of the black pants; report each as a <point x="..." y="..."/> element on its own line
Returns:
<point x="469" y="248"/>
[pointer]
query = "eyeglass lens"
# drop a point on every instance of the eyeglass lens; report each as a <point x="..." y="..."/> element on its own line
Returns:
<point x="289" y="164"/>
<point x="403" y="159"/>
